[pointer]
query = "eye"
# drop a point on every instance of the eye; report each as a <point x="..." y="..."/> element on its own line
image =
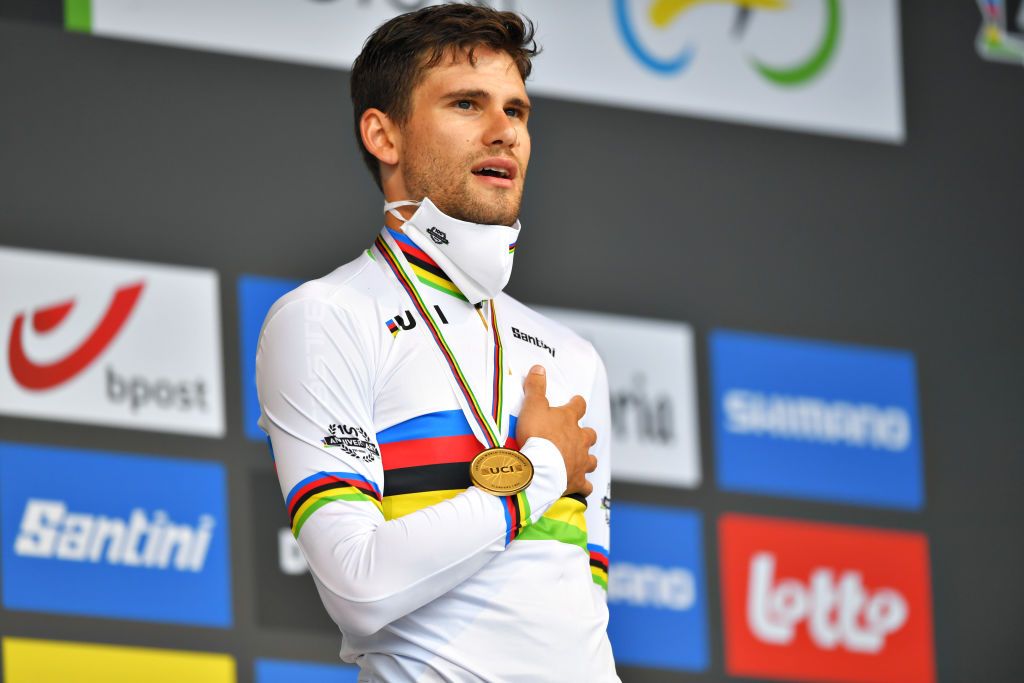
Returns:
<point x="513" y="112"/>
<point x="464" y="104"/>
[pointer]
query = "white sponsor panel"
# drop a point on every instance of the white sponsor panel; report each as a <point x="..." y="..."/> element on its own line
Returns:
<point x="653" y="389"/>
<point x="112" y="342"/>
<point x="827" y="66"/>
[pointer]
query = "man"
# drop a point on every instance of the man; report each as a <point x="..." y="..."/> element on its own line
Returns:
<point x="427" y="427"/>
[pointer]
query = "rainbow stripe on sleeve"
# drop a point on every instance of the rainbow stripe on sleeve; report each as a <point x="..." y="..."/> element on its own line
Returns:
<point x="598" y="564"/>
<point x="315" y="491"/>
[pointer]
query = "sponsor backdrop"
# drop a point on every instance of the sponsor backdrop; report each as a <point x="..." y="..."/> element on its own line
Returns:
<point x="786" y="226"/>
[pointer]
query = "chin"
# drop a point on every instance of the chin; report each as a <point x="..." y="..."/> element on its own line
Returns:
<point x="484" y="212"/>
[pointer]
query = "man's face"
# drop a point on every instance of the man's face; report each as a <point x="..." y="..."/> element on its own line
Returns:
<point x="465" y="144"/>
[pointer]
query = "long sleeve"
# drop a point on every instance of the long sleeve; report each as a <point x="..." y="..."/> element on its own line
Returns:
<point x="598" y="513"/>
<point x="316" y="372"/>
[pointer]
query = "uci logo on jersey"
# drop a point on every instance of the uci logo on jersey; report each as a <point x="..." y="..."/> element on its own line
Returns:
<point x="816" y="420"/>
<point x="107" y="535"/>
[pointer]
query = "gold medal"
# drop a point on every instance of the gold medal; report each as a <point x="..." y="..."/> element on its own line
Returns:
<point x="501" y="471"/>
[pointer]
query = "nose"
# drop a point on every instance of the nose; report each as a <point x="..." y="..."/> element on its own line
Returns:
<point x="501" y="130"/>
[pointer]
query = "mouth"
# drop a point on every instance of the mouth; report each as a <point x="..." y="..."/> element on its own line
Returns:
<point x="498" y="172"/>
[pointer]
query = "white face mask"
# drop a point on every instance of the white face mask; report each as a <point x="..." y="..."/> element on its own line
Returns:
<point x="477" y="257"/>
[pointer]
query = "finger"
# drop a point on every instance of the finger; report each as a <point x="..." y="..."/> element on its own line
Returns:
<point x="577" y="406"/>
<point x="589" y="437"/>
<point x="535" y="386"/>
<point x="591" y="463"/>
<point x="586" y="489"/>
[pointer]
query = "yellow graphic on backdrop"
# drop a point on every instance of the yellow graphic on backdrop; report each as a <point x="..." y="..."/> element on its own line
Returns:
<point x="664" y="12"/>
<point x="46" y="661"/>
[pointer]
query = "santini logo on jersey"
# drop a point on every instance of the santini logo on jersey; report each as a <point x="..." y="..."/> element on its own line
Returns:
<point x="530" y="339"/>
<point x="50" y="531"/>
<point x="806" y="418"/>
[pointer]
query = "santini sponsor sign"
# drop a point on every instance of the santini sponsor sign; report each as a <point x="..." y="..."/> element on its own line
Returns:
<point x="110" y="342"/>
<point x="121" y="536"/>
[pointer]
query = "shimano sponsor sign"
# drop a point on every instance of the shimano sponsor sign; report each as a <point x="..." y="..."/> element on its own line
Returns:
<point x="656" y="588"/>
<point x="806" y="600"/>
<point x="653" y="392"/>
<point x="104" y="341"/>
<point x="256" y="294"/>
<point x="816" y="420"/>
<point x="109" y="535"/>
<point x="824" y="66"/>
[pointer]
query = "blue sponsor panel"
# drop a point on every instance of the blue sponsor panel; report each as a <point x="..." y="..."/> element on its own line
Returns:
<point x="256" y="294"/>
<point x="285" y="671"/>
<point x="113" y="535"/>
<point x="816" y="420"/>
<point x="656" y="588"/>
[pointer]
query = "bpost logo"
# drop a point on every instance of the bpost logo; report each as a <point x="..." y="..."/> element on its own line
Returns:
<point x="661" y="14"/>
<point x="656" y="588"/>
<point x="653" y="393"/>
<point x="816" y="420"/>
<point x="256" y="294"/>
<point x="826" y="602"/>
<point x="114" y="535"/>
<point x="110" y="342"/>
<point x="1001" y="37"/>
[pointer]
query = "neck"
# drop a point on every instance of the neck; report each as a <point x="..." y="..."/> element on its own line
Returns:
<point x="395" y="224"/>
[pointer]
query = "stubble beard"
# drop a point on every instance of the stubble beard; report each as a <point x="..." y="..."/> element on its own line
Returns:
<point x="450" y="187"/>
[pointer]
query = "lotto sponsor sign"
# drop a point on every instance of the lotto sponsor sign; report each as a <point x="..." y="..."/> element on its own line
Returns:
<point x="656" y="588"/>
<point x="33" y="661"/>
<point x="110" y="342"/>
<point x="825" y="602"/>
<point x="100" y="534"/>
<point x="827" y="66"/>
<point x="816" y="420"/>
<point x="653" y="392"/>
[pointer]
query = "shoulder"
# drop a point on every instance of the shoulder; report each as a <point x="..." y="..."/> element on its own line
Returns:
<point x="357" y="291"/>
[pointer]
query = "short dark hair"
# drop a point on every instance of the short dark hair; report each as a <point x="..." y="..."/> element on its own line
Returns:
<point x="396" y="56"/>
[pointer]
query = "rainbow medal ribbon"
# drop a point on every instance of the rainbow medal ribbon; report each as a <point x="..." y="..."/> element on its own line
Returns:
<point x="497" y="470"/>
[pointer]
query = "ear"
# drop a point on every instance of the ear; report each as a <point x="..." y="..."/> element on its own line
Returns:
<point x="380" y="136"/>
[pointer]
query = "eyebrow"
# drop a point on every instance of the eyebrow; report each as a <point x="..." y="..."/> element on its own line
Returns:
<point x="471" y="94"/>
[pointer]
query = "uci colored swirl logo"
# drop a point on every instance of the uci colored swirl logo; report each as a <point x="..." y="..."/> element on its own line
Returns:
<point x="643" y="25"/>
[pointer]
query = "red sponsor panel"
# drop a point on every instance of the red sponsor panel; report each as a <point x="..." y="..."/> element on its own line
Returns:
<point x="825" y="602"/>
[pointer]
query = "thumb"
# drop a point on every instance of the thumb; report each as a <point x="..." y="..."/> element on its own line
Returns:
<point x="536" y="385"/>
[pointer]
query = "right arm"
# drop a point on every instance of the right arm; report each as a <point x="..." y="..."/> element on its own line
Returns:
<point x="316" y="367"/>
